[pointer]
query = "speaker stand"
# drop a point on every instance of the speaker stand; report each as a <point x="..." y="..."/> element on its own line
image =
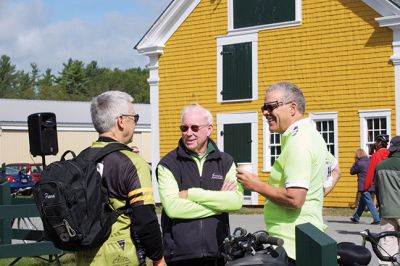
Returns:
<point x="43" y="160"/>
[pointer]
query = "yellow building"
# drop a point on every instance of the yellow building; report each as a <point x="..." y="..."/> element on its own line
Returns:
<point x="343" y="54"/>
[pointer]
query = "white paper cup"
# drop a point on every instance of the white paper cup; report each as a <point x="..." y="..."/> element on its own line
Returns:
<point x="245" y="166"/>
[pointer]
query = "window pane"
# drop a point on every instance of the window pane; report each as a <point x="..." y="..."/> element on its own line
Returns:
<point x="324" y="126"/>
<point x="326" y="129"/>
<point x="369" y="123"/>
<point x="331" y="149"/>
<point x="325" y="136"/>
<point x="370" y="136"/>
<point x="248" y="13"/>
<point x="383" y="124"/>
<point x="331" y="139"/>
<point x="330" y="127"/>
<point x="376" y="123"/>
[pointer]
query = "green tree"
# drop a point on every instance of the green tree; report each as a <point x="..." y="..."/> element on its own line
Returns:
<point x="8" y="77"/>
<point x="25" y="86"/>
<point x="73" y="80"/>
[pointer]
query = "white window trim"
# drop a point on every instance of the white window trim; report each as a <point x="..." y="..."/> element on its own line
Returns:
<point x="296" y="22"/>
<point x="266" y="144"/>
<point x="385" y="113"/>
<point x="239" y="118"/>
<point x="324" y="116"/>
<point x="227" y="40"/>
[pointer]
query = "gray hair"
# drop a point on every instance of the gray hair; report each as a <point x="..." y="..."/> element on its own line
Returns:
<point x="196" y="106"/>
<point x="106" y="107"/>
<point x="291" y="93"/>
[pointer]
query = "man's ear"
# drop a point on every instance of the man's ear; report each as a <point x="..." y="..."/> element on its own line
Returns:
<point x="120" y="123"/>
<point x="210" y="130"/>
<point x="293" y="108"/>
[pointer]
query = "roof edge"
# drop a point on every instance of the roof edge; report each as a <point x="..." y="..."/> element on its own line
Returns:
<point x="173" y="16"/>
<point x="385" y="8"/>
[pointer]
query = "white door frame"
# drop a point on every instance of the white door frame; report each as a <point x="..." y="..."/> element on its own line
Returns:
<point x="240" y="118"/>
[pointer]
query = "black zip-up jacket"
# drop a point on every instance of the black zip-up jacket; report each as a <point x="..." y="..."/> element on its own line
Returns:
<point x="195" y="238"/>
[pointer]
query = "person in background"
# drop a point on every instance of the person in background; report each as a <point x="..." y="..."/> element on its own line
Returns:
<point x="332" y="173"/>
<point x="381" y="153"/>
<point x="387" y="182"/>
<point x="198" y="187"/>
<point x="360" y="168"/>
<point x="127" y="180"/>
<point x="294" y="193"/>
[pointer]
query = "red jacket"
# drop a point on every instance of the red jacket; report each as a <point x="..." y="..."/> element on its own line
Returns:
<point x="377" y="157"/>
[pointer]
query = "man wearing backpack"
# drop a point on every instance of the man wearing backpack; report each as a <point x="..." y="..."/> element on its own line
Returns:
<point x="126" y="177"/>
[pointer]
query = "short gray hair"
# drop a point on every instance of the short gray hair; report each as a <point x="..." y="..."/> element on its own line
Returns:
<point x="291" y="93"/>
<point x="106" y="107"/>
<point x="196" y="106"/>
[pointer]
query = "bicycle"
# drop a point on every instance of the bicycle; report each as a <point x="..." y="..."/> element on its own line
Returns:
<point x="243" y="248"/>
<point x="374" y="238"/>
<point x="259" y="248"/>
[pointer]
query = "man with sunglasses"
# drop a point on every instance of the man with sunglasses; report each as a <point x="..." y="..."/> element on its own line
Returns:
<point x="294" y="193"/>
<point x="198" y="187"/>
<point x="126" y="178"/>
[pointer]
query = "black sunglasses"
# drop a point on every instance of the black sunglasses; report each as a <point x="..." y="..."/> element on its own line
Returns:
<point x="194" y="128"/>
<point x="271" y="106"/>
<point x="135" y="117"/>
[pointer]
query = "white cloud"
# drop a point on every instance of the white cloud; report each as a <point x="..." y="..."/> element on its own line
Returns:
<point x="27" y="36"/>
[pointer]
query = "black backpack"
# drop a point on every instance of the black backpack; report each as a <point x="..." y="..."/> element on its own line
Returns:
<point x="72" y="202"/>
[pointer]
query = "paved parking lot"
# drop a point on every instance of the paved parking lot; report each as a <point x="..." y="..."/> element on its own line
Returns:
<point x="341" y="229"/>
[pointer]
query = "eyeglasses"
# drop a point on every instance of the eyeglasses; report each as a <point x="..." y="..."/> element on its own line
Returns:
<point x="194" y="128"/>
<point x="135" y="117"/>
<point x="271" y="106"/>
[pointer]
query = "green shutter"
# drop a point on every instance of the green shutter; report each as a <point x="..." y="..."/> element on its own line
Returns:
<point x="237" y="142"/>
<point x="248" y="13"/>
<point x="237" y="71"/>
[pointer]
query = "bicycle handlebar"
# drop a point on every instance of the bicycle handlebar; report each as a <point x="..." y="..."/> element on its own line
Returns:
<point x="262" y="237"/>
<point x="374" y="238"/>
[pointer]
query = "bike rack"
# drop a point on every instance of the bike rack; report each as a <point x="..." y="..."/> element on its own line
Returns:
<point x="33" y="244"/>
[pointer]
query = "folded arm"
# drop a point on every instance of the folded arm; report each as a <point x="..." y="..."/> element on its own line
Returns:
<point x="174" y="206"/>
<point x="229" y="198"/>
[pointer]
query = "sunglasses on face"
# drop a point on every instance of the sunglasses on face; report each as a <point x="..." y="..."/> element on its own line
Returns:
<point x="194" y="128"/>
<point x="271" y="106"/>
<point x="135" y="117"/>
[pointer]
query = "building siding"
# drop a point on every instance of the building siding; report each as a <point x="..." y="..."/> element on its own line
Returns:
<point x="339" y="57"/>
<point x="14" y="145"/>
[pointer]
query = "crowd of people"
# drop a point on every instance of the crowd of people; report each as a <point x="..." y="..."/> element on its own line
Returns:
<point x="199" y="184"/>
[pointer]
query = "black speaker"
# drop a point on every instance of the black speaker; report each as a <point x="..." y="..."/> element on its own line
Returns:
<point x="42" y="129"/>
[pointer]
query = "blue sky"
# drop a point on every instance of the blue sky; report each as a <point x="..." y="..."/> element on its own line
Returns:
<point x="49" y="32"/>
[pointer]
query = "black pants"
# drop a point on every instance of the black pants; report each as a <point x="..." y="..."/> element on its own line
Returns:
<point x="198" y="262"/>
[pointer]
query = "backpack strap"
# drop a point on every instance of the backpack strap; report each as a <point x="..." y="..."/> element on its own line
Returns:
<point x="66" y="153"/>
<point x="109" y="148"/>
